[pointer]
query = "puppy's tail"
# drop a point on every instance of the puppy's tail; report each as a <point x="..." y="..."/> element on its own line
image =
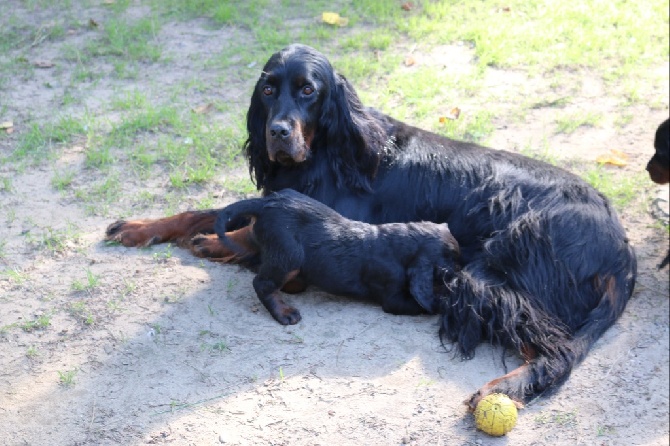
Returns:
<point x="234" y="217"/>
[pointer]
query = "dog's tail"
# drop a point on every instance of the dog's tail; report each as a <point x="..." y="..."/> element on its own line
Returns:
<point x="543" y="320"/>
<point x="236" y="216"/>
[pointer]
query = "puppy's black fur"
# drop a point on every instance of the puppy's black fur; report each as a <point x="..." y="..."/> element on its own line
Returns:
<point x="394" y="264"/>
<point x="659" y="165"/>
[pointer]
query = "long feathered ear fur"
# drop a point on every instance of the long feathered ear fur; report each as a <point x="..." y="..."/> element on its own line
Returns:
<point x="255" y="145"/>
<point x="354" y="139"/>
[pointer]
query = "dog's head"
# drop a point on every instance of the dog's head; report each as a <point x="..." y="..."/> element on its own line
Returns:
<point x="659" y="164"/>
<point x="301" y="105"/>
<point x="288" y="99"/>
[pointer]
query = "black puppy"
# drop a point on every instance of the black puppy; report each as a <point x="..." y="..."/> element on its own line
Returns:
<point x="394" y="264"/>
<point x="659" y="164"/>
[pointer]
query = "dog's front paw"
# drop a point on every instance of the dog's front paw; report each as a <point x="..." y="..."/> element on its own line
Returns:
<point x="132" y="233"/>
<point x="288" y="316"/>
<point x="205" y="246"/>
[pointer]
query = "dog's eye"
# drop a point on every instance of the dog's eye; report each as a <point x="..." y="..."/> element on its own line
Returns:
<point x="307" y="90"/>
<point x="267" y="90"/>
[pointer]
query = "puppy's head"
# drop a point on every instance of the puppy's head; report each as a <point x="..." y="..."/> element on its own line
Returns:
<point x="659" y="164"/>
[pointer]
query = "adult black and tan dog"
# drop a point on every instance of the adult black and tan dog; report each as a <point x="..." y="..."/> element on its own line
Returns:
<point x="547" y="266"/>
<point x="395" y="264"/>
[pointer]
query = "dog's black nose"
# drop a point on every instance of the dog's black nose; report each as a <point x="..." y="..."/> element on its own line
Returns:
<point x="280" y="130"/>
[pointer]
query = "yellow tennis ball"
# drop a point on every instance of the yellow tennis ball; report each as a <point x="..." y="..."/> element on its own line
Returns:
<point x="495" y="414"/>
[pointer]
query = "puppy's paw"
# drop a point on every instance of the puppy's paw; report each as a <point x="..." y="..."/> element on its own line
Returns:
<point x="288" y="316"/>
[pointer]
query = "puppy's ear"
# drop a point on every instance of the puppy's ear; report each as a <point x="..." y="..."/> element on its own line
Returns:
<point x="255" y="145"/>
<point x="420" y="276"/>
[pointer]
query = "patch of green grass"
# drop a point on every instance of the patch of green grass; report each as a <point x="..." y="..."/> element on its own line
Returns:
<point x="5" y="184"/>
<point x="164" y="254"/>
<point x="145" y="119"/>
<point x="38" y="141"/>
<point x="569" y="123"/>
<point x="424" y="92"/>
<point x="543" y="153"/>
<point x="99" y="196"/>
<point x="15" y="275"/>
<point x="32" y="352"/>
<point x="272" y="36"/>
<point x="219" y="347"/>
<point x="546" y="34"/>
<point x="621" y="190"/>
<point x="603" y="430"/>
<point x="62" y="180"/>
<point x="240" y="186"/>
<point x="82" y="313"/>
<point x="208" y="202"/>
<point x="624" y="119"/>
<point x="31" y="143"/>
<point x="66" y="379"/>
<point x="559" y="102"/>
<point x="129" y="286"/>
<point x="133" y="41"/>
<point x="40" y="323"/>
<point x="99" y="156"/>
<point x="131" y="100"/>
<point x="54" y="240"/>
<point x="219" y="11"/>
<point x="474" y="128"/>
<point x="91" y="282"/>
<point x="359" y="67"/>
<point x="10" y="215"/>
<point x="380" y="40"/>
<point x="561" y="418"/>
<point x="13" y="35"/>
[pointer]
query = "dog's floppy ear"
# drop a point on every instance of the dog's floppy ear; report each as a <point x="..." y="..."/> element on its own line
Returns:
<point x="353" y="138"/>
<point x="420" y="275"/>
<point x="255" y="147"/>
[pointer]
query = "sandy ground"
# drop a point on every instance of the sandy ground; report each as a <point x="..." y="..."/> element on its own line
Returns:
<point x="169" y="349"/>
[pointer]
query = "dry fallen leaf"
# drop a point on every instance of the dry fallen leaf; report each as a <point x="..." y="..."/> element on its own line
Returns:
<point x="7" y="126"/>
<point x="44" y="64"/>
<point x="333" y="18"/>
<point x="202" y="109"/>
<point x="453" y="115"/>
<point x="409" y="61"/>
<point x="614" y="157"/>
